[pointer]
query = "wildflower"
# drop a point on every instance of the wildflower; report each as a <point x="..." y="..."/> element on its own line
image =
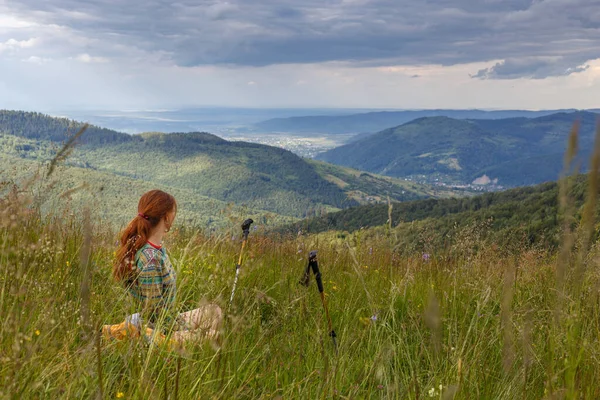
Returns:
<point x="68" y="264"/>
<point x="426" y="257"/>
<point x="120" y="395"/>
<point x="37" y="332"/>
<point x="335" y="288"/>
<point x="365" y="266"/>
<point x="374" y="318"/>
<point x="432" y="392"/>
<point x="380" y="387"/>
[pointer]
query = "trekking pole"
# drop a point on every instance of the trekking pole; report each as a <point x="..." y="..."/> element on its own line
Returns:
<point x="313" y="264"/>
<point x="246" y="231"/>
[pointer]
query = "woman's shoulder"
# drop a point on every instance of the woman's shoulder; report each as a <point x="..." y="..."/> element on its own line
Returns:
<point x="148" y="253"/>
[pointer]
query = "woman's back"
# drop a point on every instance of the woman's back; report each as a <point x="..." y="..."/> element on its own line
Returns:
<point x="155" y="284"/>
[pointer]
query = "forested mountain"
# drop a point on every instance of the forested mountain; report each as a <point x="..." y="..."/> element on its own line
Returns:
<point x="376" y="121"/>
<point x="39" y="126"/>
<point x="257" y="176"/>
<point x="515" y="151"/>
<point x="524" y="215"/>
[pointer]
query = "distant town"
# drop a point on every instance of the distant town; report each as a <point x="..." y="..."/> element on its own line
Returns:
<point x="482" y="184"/>
<point x="304" y="146"/>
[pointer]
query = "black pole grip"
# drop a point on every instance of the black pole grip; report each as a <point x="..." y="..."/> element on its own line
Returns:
<point x="314" y="264"/>
<point x="246" y="227"/>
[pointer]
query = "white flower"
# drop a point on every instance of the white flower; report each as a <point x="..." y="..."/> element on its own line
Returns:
<point x="432" y="392"/>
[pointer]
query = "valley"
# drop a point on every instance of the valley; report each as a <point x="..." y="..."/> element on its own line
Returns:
<point x="215" y="175"/>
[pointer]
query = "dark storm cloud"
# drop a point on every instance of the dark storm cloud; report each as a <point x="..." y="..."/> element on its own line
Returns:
<point x="535" y="39"/>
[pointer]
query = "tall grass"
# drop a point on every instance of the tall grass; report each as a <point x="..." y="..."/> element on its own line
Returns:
<point x="479" y="324"/>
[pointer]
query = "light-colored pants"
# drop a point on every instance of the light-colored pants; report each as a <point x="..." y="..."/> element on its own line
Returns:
<point x="203" y="322"/>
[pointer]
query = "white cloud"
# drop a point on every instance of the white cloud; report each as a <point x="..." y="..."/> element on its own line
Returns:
<point x="86" y="58"/>
<point x="12" y="22"/>
<point x="14" y="45"/>
<point x="36" y="60"/>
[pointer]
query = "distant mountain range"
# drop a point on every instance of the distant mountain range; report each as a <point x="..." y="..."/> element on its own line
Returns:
<point x="513" y="151"/>
<point x="376" y="121"/>
<point x="200" y="166"/>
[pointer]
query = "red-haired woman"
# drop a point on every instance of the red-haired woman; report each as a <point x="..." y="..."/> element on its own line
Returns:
<point x="143" y="266"/>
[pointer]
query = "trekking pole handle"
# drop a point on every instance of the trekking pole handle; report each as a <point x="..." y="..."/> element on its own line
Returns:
<point x="314" y="264"/>
<point x="246" y="227"/>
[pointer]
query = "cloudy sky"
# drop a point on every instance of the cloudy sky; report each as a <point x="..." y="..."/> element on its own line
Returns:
<point x="114" y="54"/>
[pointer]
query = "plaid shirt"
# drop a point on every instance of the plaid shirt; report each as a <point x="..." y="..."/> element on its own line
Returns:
<point x="155" y="285"/>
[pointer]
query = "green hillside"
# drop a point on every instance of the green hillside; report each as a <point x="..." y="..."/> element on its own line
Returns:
<point x="200" y="164"/>
<point x="530" y="214"/>
<point x="33" y="125"/>
<point x="368" y="188"/>
<point x="113" y="199"/>
<point x="516" y="151"/>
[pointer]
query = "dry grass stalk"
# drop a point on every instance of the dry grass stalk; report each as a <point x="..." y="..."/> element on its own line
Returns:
<point x="66" y="150"/>
<point x="508" y="348"/>
<point x="588" y="219"/>
<point x="86" y="280"/>
<point x="433" y="321"/>
<point x="566" y="208"/>
<point x="98" y="337"/>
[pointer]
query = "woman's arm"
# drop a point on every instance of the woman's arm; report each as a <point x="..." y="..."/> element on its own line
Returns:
<point x="168" y="282"/>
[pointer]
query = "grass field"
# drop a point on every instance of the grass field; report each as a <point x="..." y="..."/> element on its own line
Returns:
<point x="483" y="325"/>
<point x="477" y="322"/>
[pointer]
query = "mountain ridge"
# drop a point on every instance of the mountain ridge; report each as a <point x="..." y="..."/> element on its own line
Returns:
<point x="376" y="121"/>
<point x="460" y="151"/>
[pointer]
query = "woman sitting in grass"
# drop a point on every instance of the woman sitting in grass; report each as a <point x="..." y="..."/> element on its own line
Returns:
<point x="143" y="266"/>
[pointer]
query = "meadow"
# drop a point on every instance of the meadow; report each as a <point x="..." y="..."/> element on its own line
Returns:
<point x="472" y="321"/>
<point x="485" y="324"/>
